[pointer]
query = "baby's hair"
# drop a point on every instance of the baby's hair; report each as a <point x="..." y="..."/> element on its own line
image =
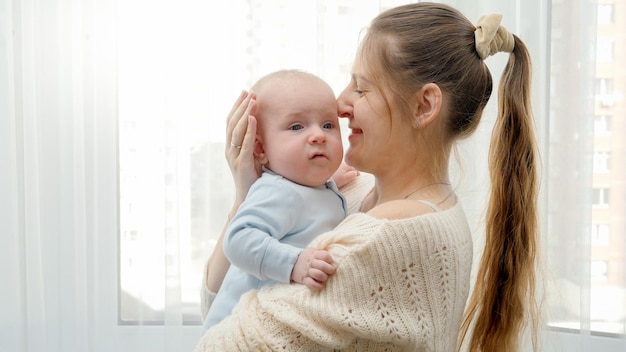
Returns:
<point x="282" y="74"/>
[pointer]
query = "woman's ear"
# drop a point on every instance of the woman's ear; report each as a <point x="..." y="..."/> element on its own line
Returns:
<point x="428" y="104"/>
<point x="259" y="151"/>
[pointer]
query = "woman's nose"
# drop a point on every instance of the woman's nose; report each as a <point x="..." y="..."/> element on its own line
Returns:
<point x="344" y="105"/>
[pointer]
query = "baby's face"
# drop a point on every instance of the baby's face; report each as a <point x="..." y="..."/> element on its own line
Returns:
<point x="299" y="130"/>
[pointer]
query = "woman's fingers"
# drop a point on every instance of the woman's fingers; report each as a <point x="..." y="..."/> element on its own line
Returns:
<point x="240" y="130"/>
<point x="238" y="112"/>
<point x="249" y="137"/>
<point x="245" y="168"/>
<point x="235" y="111"/>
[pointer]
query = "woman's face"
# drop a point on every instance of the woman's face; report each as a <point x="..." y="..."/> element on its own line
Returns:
<point x="375" y="135"/>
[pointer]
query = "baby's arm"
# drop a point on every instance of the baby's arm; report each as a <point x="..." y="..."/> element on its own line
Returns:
<point x="253" y="241"/>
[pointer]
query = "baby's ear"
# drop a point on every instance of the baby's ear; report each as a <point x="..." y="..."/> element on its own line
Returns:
<point x="259" y="151"/>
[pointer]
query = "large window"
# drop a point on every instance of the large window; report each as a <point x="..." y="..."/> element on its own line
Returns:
<point x="176" y="84"/>
<point x="586" y="191"/>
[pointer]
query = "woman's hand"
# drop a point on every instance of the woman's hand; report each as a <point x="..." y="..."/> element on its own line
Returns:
<point x="240" y="141"/>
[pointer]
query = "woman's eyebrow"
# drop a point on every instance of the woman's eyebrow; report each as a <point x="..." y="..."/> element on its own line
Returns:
<point x="360" y="78"/>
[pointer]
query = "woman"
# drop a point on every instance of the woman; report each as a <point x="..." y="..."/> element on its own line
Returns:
<point x="403" y="258"/>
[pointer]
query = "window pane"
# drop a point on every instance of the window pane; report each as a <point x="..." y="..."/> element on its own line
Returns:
<point x="599" y="235"/>
<point x="602" y="125"/>
<point x="601" y="162"/>
<point x="604" y="50"/>
<point x="173" y="180"/>
<point x="605" y="13"/>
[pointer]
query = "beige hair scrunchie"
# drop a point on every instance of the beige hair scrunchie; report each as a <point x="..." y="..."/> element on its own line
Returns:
<point x="491" y="37"/>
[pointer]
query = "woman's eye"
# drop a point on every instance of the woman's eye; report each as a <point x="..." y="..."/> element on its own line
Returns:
<point x="359" y="92"/>
<point x="295" y="127"/>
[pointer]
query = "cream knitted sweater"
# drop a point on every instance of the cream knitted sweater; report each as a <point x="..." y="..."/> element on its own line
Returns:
<point x="400" y="285"/>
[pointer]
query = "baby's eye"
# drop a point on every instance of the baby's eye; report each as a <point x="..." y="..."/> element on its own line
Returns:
<point x="295" y="127"/>
<point x="328" y="125"/>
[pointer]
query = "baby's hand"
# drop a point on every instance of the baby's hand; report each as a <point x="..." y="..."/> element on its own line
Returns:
<point x="312" y="268"/>
<point x="344" y="174"/>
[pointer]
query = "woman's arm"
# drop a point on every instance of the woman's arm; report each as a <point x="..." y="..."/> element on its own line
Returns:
<point x="240" y="137"/>
<point x="218" y="263"/>
<point x="213" y="278"/>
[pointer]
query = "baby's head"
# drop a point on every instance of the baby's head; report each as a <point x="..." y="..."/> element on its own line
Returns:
<point x="298" y="132"/>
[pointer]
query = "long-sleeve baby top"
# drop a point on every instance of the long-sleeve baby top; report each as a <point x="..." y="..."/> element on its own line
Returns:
<point x="271" y="227"/>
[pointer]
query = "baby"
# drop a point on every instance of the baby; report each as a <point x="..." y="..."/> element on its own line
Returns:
<point x="299" y="146"/>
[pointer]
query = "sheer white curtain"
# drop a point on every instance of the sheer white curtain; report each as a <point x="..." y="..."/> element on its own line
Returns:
<point x="114" y="187"/>
<point x="58" y="116"/>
